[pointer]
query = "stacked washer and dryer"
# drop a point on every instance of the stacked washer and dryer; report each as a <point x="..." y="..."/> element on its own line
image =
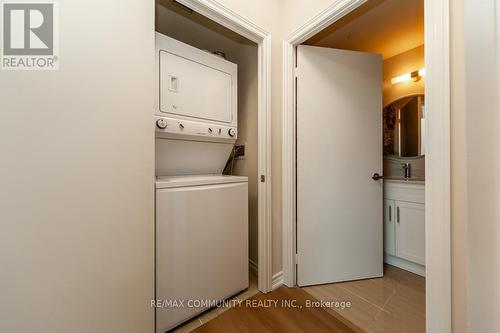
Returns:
<point x="201" y="215"/>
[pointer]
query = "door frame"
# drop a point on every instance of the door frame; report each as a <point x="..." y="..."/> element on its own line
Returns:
<point x="438" y="182"/>
<point x="231" y="20"/>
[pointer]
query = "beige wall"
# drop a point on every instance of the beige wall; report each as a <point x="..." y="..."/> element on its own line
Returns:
<point x="459" y="241"/>
<point x="266" y="14"/>
<point x="207" y="35"/>
<point x="405" y="62"/>
<point x="248" y="135"/>
<point x="76" y="175"/>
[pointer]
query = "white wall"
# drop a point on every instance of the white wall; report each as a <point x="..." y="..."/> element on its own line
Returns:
<point x="475" y="70"/>
<point x="482" y="134"/>
<point x="76" y="175"/>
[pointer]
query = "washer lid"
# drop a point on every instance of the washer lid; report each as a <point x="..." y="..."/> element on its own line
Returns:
<point x="194" y="180"/>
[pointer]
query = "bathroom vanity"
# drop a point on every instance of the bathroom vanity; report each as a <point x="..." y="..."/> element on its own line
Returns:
<point x="404" y="186"/>
<point x="404" y="224"/>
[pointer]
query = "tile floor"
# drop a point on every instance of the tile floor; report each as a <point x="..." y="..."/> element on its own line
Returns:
<point x="278" y="318"/>
<point x="215" y="312"/>
<point x="394" y="303"/>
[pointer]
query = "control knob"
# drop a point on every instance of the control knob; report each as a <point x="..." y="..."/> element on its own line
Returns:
<point x="161" y="123"/>
<point x="231" y="132"/>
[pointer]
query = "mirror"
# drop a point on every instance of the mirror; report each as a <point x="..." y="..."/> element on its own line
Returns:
<point x="404" y="127"/>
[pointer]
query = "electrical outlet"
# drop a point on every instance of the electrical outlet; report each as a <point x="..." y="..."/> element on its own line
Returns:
<point x="239" y="152"/>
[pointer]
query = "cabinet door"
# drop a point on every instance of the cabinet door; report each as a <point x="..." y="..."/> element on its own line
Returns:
<point x="410" y="231"/>
<point x="389" y="227"/>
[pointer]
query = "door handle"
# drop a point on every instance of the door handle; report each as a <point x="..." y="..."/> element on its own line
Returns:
<point x="390" y="213"/>
<point x="376" y="176"/>
<point x="397" y="213"/>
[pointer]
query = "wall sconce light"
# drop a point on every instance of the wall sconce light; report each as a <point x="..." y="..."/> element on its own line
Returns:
<point x="413" y="76"/>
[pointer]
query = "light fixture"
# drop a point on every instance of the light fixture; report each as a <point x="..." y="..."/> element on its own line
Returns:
<point x="413" y="76"/>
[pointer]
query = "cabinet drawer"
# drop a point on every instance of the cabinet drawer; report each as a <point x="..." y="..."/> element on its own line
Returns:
<point x="400" y="191"/>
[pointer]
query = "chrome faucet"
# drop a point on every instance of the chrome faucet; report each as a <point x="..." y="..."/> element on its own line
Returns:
<point x="407" y="169"/>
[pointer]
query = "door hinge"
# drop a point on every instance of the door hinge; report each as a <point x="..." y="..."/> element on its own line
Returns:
<point x="296" y="258"/>
<point x="262" y="178"/>
<point x="296" y="72"/>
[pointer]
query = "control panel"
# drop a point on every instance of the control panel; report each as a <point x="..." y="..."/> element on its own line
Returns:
<point x="193" y="130"/>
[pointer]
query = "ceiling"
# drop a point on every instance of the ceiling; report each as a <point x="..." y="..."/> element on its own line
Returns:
<point x="387" y="27"/>
<point x="183" y="11"/>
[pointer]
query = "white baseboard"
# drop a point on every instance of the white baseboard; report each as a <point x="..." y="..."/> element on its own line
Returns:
<point x="405" y="264"/>
<point x="277" y="280"/>
<point x="252" y="266"/>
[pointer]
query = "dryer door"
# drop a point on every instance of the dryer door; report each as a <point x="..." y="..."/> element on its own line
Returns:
<point x="192" y="89"/>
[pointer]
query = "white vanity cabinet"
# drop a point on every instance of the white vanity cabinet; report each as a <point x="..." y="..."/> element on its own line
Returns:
<point x="404" y="225"/>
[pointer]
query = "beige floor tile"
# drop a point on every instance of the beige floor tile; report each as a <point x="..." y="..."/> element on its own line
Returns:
<point x="393" y="274"/>
<point x="407" y="300"/>
<point x="374" y="291"/>
<point x="392" y="304"/>
<point x="215" y="312"/>
<point x="399" y="321"/>
<point x="361" y="313"/>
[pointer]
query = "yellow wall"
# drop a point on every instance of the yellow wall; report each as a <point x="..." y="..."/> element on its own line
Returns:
<point x="405" y="62"/>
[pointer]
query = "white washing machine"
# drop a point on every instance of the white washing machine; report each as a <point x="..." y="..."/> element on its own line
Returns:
<point x="201" y="215"/>
<point x="201" y="243"/>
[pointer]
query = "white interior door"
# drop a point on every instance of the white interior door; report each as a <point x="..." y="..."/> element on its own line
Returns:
<point x="339" y="148"/>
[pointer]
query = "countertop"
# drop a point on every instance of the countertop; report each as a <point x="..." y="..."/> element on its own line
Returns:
<point x="404" y="180"/>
